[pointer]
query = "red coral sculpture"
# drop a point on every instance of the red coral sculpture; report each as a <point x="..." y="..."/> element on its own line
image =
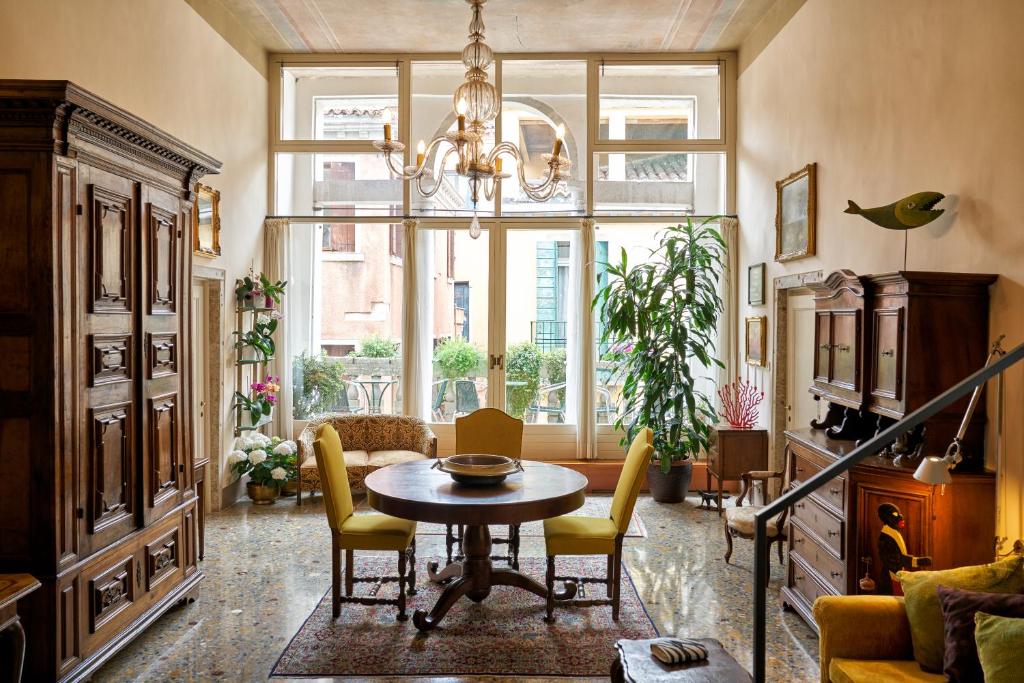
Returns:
<point x="739" y="403"/>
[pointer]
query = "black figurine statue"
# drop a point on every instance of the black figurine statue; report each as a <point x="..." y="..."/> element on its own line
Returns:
<point x="892" y="549"/>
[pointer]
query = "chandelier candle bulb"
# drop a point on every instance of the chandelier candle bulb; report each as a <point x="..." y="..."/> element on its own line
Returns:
<point x="559" y="134"/>
<point x="460" y="109"/>
<point x="421" y="149"/>
<point x="387" y="132"/>
<point x="497" y="165"/>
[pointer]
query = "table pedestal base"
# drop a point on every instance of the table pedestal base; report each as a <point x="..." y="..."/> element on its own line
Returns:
<point x="478" y="576"/>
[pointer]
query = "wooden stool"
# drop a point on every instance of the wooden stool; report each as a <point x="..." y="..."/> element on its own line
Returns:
<point x="635" y="664"/>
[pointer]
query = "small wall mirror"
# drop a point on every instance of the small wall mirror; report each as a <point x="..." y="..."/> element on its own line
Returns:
<point x="206" y="222"/>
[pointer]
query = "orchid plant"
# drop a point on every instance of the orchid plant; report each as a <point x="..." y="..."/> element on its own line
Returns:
<point x="269" y="461"/>
<point x="261" y="399"/>
<point x="261" y="337"/>
<point x="253" y="286"/>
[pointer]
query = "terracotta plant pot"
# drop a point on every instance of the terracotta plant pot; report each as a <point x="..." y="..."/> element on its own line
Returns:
<point x="671" y="487"/>
<point x="261" y="495"/>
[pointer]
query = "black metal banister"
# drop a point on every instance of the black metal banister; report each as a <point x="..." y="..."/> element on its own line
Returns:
<point x="870" y="447"/>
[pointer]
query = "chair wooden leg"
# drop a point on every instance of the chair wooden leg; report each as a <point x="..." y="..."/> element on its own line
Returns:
<point x="335" y="577"/>
<point x="616" y="580"/>
<point x="611" y="565"/>
<point x="728" y="543"/>
<point x="779" y="547"/>
<point x="402" y="616"/>
<point x="449" y="540"/>
<point x="550" y="582"/>
<point x="412" y="568"/>
<point x="349" y="572"/>
<point x="513" y="536"/>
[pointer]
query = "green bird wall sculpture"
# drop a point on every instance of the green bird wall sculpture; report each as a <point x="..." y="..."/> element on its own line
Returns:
<point x="909" y="212"/>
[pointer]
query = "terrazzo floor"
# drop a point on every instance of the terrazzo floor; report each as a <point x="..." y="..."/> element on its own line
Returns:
<point x="267" y="568"/>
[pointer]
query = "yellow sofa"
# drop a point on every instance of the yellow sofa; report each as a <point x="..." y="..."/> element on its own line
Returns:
<point x="866" y="638"/>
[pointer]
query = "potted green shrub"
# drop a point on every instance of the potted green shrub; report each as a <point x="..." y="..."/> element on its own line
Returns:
<point x="659" y="316"/>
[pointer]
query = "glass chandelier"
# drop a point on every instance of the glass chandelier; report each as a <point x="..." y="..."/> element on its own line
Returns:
<point x="476" y="105"/>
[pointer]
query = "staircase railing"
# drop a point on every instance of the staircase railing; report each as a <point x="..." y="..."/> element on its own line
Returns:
<point x="870" y="447"/>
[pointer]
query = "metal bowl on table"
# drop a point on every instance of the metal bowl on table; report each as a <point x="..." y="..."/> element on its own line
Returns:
<point x="478" y="469"/>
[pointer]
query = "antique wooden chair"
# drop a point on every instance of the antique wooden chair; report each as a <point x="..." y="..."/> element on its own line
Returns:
<point x="575" y="535"/>
<point x="739" y="520"/>
<point x="360" y="532"/>
<point x="488" y="430"/>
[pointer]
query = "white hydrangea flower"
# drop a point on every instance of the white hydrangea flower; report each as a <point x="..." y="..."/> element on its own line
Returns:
<point x="257" y="456"/>
<point x="294" y="447"/>
<point x="236" y="457"/>
<point x="242" y="442"/>
<point x="278" y="473"/>
<point x="284" y="448"/>
<point x="260" y="439"/>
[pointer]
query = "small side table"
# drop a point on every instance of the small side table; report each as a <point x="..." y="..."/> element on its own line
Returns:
<point x="635" y="664"/>
<point x="737" y="452"/>
<point x="13" y="587"/>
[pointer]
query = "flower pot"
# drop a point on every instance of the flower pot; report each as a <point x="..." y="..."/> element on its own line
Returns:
<point x="671" y="487"/>
<point x="268" y="302"/>
<point x="261" y="495"/>
<point x="290" y="487"/>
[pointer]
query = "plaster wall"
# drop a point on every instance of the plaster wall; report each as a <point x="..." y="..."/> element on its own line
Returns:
<point x="891" y="99"/>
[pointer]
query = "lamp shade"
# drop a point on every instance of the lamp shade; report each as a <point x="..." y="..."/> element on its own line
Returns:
<point x="934" y="471"/>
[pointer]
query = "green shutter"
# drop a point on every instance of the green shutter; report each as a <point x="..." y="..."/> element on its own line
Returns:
<point x="547" y="280"/>
<point x="601" y="270"/>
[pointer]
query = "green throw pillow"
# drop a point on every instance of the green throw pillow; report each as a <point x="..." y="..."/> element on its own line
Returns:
<point x="925" y="613"/>
<point x="1000" y="647"/>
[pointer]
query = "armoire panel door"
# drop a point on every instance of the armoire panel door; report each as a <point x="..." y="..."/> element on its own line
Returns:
<point x="822" y="346"/>
<point x="166" y="454"/>
<point x="106" y="290"/>
<point x="846" y="349"/>
<point x="916" y="509"/>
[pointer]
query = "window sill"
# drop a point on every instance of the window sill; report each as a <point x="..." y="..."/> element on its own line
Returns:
<point x="343" y="256"/>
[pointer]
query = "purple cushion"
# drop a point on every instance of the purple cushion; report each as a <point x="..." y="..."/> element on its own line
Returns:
<point x="961" y="663"/>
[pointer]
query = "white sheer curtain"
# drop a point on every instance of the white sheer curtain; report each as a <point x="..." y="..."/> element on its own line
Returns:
<point x="728" y="289"/>
<point x="276" y="266"/>
<point x="584" y="343"/>
<point x="417" y="274"/>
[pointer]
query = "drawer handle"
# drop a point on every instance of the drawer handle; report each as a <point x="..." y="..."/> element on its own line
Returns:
<point x="833" y="533"/>
<point x="798" y="577"/>
<point x="799" y="506"/>
<point x="836" y="575"/>
<point x="799" y="469"/>
<point x="889" y="352"/>
<point x="843" y="348"/>
<point x="826" y="347"/>
<point x="833" y="490"/>
<point x="798" y="540"/>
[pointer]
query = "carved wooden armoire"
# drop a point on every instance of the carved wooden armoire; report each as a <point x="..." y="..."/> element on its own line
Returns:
<point x="884" y="346"/>
<point x="96" y="463"/>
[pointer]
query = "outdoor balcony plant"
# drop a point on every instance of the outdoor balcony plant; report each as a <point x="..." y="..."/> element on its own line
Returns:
<point x="661" y="319"/>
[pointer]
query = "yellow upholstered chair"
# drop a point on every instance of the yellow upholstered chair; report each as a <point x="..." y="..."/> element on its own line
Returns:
<point x="489" y="430"/>
<point x="573" y="535"/>
<point x="363" y="532"/>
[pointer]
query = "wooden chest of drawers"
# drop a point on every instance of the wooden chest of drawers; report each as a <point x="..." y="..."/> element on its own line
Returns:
<point x="833" y="532"/>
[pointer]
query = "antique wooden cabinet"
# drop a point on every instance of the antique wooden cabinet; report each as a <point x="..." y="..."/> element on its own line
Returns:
<point x="833" y="539"/>
<point x="95" y="398"/>
<point x="839" y="339"/>
<point x="734" y="453"/>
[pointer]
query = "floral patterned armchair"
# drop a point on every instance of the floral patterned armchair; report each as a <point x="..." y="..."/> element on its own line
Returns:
<point x="370" y="442"/>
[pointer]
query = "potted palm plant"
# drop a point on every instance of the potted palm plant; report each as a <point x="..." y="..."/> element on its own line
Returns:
<point x="660" y="320"/>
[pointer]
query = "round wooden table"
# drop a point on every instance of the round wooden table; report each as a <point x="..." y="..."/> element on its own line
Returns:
<point x="414" y="490"/>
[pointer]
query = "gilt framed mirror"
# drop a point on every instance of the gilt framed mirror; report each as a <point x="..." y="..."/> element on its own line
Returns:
<point x="206" y="222"/>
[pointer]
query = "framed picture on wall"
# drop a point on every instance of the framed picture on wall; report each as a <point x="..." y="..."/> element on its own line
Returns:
<point x="795" y="203"/>
<point x="756" y="335"/>
<point x="755" y="284"/>
<point x="206" y="222"/>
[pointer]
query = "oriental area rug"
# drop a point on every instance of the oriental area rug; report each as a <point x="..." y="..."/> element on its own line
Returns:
<point x="505" y="635"/>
